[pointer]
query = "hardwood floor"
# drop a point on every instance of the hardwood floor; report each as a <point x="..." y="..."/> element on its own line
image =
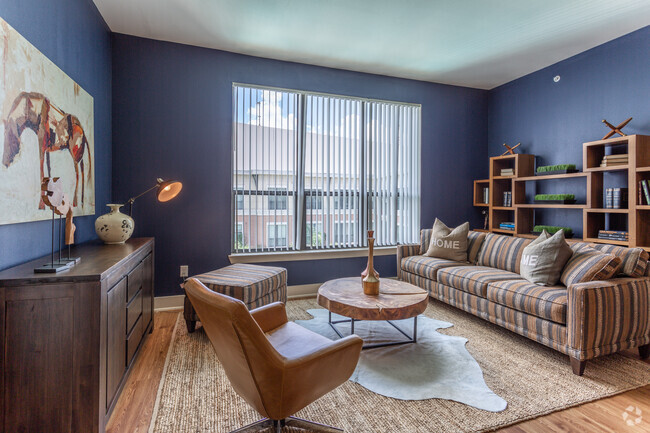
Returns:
<point x="134" y="409"/>
<point x="135" y="406"/>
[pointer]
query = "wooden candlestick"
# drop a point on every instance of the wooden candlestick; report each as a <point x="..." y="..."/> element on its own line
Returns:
<point x="370" y="281"/>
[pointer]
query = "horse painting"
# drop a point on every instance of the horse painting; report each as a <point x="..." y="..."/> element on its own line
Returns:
<point x="55" y="129"/>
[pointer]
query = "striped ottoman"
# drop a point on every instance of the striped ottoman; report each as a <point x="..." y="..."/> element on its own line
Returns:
<point x="252" y="284"/>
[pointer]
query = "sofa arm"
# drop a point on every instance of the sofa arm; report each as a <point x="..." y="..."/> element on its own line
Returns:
<point x="607" y="316"/>
<point x="403" y="251"/>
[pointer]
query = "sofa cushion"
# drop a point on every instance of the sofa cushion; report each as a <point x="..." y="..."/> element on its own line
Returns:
<point x="474" y="243"/>
<point x="502" y="252"/>
<point x="544" y="258"/>
<point x="473" y="279"/>
<point x="427" y="267"/>
<point x="548" y="303"/>
<point x="448" y="243"/>
<point x="588" y="264"/>
<point x="635" y="260"/>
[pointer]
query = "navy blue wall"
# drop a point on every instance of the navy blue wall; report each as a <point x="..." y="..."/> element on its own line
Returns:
<point x="172" y="116"/>
<point x="552" y="120"/>
<point x="74" y="36"/>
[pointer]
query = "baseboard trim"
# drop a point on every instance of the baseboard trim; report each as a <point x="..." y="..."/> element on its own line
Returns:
<point x="167" y="303"/>
<point x="302" y="290"/>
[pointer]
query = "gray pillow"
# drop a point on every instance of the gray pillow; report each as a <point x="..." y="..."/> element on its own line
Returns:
<point x="543" y="259"/>
<point x="448" y="243"/>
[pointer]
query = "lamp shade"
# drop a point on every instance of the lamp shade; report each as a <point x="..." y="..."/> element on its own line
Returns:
<point x="168" y="189"/>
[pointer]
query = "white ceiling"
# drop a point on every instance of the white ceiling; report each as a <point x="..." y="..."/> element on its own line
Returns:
<point x="475" y="43"/>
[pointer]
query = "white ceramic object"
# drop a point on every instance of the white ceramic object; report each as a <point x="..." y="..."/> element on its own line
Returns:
<point x="114" y="227"/>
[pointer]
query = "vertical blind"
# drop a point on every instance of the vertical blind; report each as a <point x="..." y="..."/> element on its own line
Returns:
<point x="314" y="171"/>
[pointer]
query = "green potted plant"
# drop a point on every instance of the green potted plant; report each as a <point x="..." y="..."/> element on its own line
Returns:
<point x="538" y="229"/>
<point x="547" y="170"/>
<point x="555" y="198"/>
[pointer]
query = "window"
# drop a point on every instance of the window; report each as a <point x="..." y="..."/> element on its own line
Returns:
<point x="314" y="199"/>
<point x="278" y="201"/>
<point x="276" y="235"/>
<point x="344" y="233"/>
<point x="314" y="234"/>
<point x="315" y="171"/>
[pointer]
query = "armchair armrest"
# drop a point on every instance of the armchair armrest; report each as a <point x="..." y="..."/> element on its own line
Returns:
<point x="313" y="375"/>
<point x="270" y="316"/>
<point x="403" y="251"/>
<point x="607" y="316"/>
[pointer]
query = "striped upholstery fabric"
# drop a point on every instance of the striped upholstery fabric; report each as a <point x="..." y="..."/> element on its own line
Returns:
<point x="404" y="251"/>
<point x="543" y="331"/>
<point x="473" y="279"/>
<point x="502" y="252"/>
<point x="588" y="264"/>
<point x="425" y="240"/>
<point x="419" y="281"/>
<point x="607" y="316"/>
<point x="474" y="243"/>
<point x="635" y="260"/>
<point x="245" y="282"/>
<point x="427" y="266"/>
<point x="546" y="302"/>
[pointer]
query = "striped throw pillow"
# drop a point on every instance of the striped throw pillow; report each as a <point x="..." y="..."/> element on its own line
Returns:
<point x="635" y="260"/>
<point x="587" y="264"/>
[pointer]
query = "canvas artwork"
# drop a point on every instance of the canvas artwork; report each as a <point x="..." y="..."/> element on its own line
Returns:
<point x="47" y="131"/>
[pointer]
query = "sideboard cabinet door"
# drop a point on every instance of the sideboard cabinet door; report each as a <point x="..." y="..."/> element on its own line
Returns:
<point x="147" y="291"/>
<point x="116" y="341"/>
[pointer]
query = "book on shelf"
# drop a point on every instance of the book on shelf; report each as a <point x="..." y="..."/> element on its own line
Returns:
<point x="486" y="195"/>
<point x="507" y="172"/>
<point x="646" y="190"/>
<point x="641" y="198"/>
<point x="619" y="198"/>
<point x="507" y="199"/>
<point x="507" y="226"/>
<point x="614" y="160"/>
<point x="609" y="198"/>
<point x="615" y="157"/>
<point x="614" y="237"/>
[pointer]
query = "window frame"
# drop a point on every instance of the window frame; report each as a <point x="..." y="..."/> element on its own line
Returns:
<point x="365" y="197"/>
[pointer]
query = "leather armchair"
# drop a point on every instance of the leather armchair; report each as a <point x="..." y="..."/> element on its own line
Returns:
<point x="276" y="366"/>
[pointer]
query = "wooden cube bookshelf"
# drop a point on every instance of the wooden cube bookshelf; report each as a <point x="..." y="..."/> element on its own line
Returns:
<point x="635" y="219"/>
<point x="479" y="185"/>
<point x="522" y="165"/>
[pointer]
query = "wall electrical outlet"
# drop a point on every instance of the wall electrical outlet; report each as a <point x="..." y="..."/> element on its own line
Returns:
<point x="184" y="271"/>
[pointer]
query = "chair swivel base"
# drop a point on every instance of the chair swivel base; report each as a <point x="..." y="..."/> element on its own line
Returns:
<point x="277" y="425"/>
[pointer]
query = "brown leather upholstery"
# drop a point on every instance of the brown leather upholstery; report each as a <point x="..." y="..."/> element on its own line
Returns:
<point x="278" y="367"/>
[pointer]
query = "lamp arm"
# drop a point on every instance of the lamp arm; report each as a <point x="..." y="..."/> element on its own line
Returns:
<point x="132" y="199"/>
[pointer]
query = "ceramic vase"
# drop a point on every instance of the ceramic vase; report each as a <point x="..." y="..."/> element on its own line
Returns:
<point x="114" y="227"/>
<point x="370" y="282"/>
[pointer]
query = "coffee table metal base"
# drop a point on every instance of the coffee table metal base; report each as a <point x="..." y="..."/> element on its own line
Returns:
<point x="409" y="338"/>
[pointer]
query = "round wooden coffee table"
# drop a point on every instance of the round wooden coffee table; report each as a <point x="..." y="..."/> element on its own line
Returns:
<point x="397" y="300"/>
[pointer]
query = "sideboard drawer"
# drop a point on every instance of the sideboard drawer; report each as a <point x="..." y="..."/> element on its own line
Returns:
<point x="133" y="340"/>
<point x="135" y="281"/>
<point x="133" y="311"/>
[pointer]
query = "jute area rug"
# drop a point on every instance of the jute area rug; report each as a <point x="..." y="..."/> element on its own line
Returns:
<point x="195" y="395"/>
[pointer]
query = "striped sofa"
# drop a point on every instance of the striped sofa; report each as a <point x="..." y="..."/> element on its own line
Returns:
<point x="584" y="320"/>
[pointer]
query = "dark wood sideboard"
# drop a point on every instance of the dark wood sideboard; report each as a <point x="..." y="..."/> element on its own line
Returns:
<point x="69" y="339"/>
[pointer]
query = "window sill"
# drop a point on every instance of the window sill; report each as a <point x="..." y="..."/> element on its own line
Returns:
<point x="290" y="256"/>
